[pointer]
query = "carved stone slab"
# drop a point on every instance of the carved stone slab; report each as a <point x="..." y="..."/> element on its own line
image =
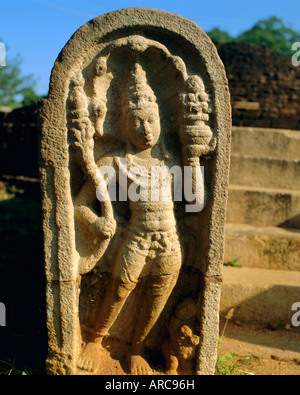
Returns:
<point x="134" y="253"/>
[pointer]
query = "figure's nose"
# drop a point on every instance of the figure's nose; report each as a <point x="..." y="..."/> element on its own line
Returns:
<point x="146" y="127"/>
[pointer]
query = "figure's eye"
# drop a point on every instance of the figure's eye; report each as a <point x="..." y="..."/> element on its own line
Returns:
<point x="137" y="122"/>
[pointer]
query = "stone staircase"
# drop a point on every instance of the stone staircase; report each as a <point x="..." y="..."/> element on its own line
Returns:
<point x="263" y="226"/>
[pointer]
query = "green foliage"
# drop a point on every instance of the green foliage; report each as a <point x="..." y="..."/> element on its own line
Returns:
<point x="29" y="96"/>
<point x="233" y="263"/>
<point x="16" y="90"/>
<point x="220" y="36"/>
<point x="227" y="365"/>
<point x="271" y="33"/>
<point x="8" y="368"/>
<point x="231" y="364"/>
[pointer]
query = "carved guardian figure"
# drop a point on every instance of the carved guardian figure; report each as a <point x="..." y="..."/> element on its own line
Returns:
<point x="133" y="228"/>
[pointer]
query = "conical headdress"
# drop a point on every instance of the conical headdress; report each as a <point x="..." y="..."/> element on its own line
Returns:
<point x="137" y="92"/>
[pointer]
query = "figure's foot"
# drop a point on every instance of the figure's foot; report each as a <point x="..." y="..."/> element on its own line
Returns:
<point x="90" y="357"/>
<point x="172" y="372"/>
<point x="138" y="366"/>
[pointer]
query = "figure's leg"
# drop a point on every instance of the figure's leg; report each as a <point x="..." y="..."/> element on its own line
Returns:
<point x="107" y="314"/>
<point x="114" y="300"/>
<point x="155" y="299"/>
<point x="118" y="290"/>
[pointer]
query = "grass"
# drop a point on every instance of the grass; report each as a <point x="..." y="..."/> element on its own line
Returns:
<point x="233" y="263"/>
<point x="226" y="365"/>
<point x="230" y="364"/>
<point x="8" y="368"/>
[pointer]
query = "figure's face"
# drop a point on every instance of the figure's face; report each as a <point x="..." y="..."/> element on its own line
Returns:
<point x="143" y="126"/>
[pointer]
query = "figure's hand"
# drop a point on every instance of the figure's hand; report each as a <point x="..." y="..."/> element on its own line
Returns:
<point x="195" y="340"/>
<point x="106" y="226"/>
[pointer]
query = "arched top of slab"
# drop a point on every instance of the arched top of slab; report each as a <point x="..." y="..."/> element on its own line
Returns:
<point x="167" y="28"/>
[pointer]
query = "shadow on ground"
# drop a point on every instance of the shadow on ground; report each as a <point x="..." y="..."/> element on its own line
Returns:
<point x="273" y="340"/>
<point x="23" y="341"/>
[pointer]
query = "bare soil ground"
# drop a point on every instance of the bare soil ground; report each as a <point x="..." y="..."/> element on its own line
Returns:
<point x="243" y="350"/>
<point x="260" y="351"/>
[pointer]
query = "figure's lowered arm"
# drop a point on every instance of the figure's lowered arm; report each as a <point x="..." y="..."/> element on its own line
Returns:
<point x="88" y="216"/>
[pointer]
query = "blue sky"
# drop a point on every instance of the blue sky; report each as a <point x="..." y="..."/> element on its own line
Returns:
<point x="38" y="29"/>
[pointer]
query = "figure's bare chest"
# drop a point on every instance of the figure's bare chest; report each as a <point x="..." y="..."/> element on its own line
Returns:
<point x="150" y="180"/>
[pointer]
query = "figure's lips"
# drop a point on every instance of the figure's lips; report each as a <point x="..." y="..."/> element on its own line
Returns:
<point x="148" y="138"/>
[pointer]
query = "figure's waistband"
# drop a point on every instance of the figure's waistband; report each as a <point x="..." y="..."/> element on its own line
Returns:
<point x="162" y="241"/>
<point x="152" y="206"/>
<point x="153" y="217"/>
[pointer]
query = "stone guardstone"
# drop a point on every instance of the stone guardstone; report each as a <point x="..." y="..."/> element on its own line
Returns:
<point x="134" y="163"/>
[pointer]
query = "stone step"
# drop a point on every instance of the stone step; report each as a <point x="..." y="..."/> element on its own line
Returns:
<point x="260" y="296"/>
<point x="263" y="247"/>
<point x="263" y="206"/>
<point x="265" y="172"/>
<point x="266" y="143"/>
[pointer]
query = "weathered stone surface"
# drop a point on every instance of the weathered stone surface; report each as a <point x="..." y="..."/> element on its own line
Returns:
<point x="266" y="143"/>
<point x="260" y="296"/>
<point x="267" y="81"/>
<point x="263" y="226"/>
<point x="148" y="87"/>
<point x="264" y="172"/>
<point x="263" y="206"/>
<point x="263" y="247"/>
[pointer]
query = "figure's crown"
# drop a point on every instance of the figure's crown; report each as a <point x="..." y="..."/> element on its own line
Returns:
<point x="137" y="91"/>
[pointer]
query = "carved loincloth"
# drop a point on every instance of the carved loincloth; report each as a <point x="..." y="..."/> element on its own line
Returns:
<point x="145" y="254"/>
